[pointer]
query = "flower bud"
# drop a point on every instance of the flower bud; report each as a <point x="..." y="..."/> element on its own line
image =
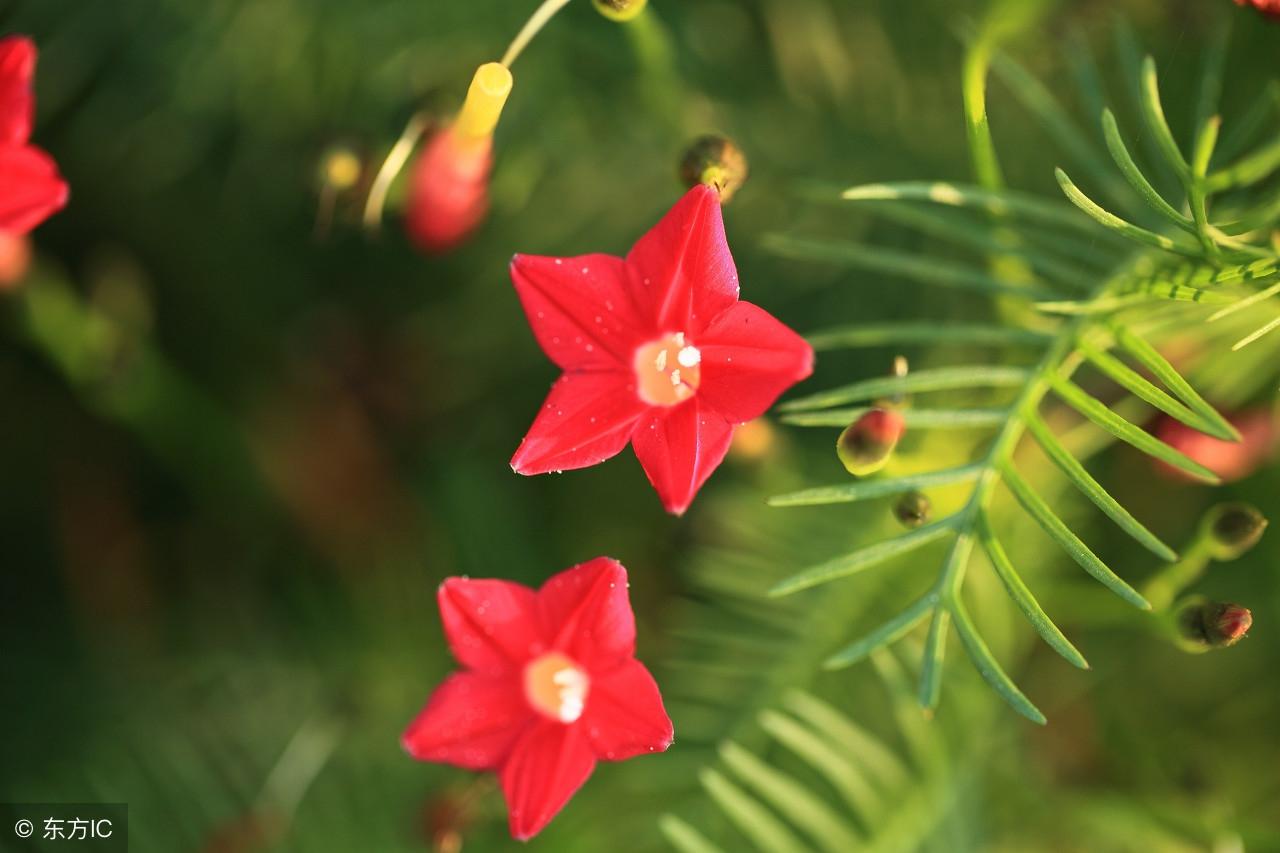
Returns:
<point x="1270" y="8"/>
<point x="619" y="10"/>
<point x="1231" y="529"/>
<point x="913" y="509"/>
<point x="449" y="184"/>
<point x="866" y="445"/>
<point x="716" y="162"/>
<point x="15" y="259"/>
<point x="340" y="169"/>
<point x="1212" y="624"/>
<point x="1230" y="460"/>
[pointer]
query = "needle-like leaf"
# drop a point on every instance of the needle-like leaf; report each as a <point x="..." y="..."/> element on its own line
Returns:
<point x="1022" y="596"/>
<point x="892" y="262"/>
<point x="1114" y="223"/>
<point x="989" y="667"/>
<point x="900" y="334"/>
<point x="888" y="633"/>
<point x="862" y="559"/>
<point x="935" y="379"/>
<point x="1097" y="412"/>
<point x="1067" y="540"/>
<point x="1133" y="382"/>
<point x="916" y="418"/>
<point x="867" y="489"/>
<point x="1147" y="356"/>
<point x="1093" y="490"/>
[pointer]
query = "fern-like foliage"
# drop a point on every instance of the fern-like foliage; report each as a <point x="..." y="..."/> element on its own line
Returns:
<point x="865" y="794"/>
<point x="1094" y="289"/>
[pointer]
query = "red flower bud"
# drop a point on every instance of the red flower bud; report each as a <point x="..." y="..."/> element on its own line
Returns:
<point x="1213" y="624"/>
<point x="716" y="162"/>
<point x="449" y="185"/>
<point x="867" y="444"/>
<point x="1270" y="8"/>
<point x="15" y="259"/>
<point x="1230" y="460"/>
<point x="448" y="191"/>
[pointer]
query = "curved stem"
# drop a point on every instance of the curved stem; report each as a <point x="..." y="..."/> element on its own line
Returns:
<point x="391" y="167"/>
<point x="536" y="22"/>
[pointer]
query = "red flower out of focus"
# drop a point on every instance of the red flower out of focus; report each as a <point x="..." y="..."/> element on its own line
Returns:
<point x="1230" y="460"/>
<point x="657" y="350"/>
<point x="1266" y="7"/>
<point x="550" y="685"/>
<point x="30" y="187"/>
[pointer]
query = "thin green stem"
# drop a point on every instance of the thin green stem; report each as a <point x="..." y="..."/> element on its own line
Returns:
<point x="531" y="28"/>
<point x="1196" y="192"/>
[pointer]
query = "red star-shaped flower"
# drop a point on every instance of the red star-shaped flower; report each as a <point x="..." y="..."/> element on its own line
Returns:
<point x="30" y="186"/>
<point x="656" y="349"/>
<point x="550" y="686"/>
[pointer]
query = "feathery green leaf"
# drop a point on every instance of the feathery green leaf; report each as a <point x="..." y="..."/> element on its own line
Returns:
<point x="1067" y="540"/>
<point x="935" y="379"/>
<point x="989" y="667"/>
<point x="1023" y="597"/>
<point x="862" y="559"/>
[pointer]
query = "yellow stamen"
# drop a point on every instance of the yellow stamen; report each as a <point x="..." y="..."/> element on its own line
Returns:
<point x="556" y="687"/>
<point x="668" y="370"/>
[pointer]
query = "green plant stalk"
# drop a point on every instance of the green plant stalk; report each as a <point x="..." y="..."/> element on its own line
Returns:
<point x="1168" y="584"/>
<point x="1196" y="190"/>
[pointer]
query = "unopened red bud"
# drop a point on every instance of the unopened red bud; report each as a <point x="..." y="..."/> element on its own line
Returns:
<point x="716" y="162"/>
<point x="619" y="10"/>
<point x="913" y="509"/>
<point x="867" y="444"/>
<point x="1213" y="624"/>
<point x="15" y="259"/>
<point x="449" y="185"/>
<point x="1232" y="529"/>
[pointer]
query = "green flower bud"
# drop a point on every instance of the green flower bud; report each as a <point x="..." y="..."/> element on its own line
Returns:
<point x="716" y="162"/>
<point x="1231" y="529"/>
<point x="867" y="444"/>
<point x="913" y="509"/>
<point x="1212" y="624"/>
<point x="619" y="10"/>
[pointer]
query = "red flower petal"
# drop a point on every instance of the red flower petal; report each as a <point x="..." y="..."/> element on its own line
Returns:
<point x="679" y="448"/>
<point x="32" y="188"/>
<point x="17" y="66"/>
<point x="579" y="309"/>
<point x="470" y="721"/>
<point x="491" y="625"/>
<point x="748" y="359"/>
<point x="624" y="716"/>
<point x="549" y="764"/>
<point x="682" y="268"/>
<point x="586" y="418"/>
<point x="587" y="610"/>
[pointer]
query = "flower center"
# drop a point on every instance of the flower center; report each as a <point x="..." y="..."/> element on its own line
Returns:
<point x="667" y="370"/>
<point x="556" y="687"/>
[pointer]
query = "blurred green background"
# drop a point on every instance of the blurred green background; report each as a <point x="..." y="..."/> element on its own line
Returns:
<point x="243" y="439"/>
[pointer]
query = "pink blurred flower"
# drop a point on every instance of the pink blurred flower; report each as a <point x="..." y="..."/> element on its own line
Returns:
<point x="1228" y="459"/>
